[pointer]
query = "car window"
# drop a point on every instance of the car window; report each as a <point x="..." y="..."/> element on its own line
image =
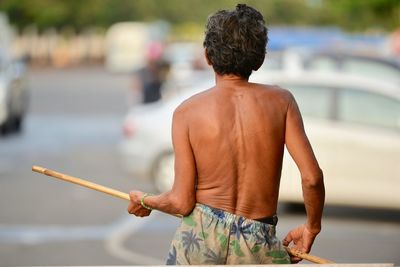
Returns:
<point x="313" y="101"/>
<point x="368" y="108"/>
<point x="371" y="69"/>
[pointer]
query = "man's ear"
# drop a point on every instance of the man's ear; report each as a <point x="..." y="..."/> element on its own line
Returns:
<point x="206" y="56"/>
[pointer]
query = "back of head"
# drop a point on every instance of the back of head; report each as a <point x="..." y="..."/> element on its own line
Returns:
<point x="235" y="41"/>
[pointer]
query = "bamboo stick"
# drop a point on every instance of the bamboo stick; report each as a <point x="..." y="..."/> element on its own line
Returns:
<point x="125" y="196"/>
<point x="305" y="256"/>
<point x="81" y="182"/>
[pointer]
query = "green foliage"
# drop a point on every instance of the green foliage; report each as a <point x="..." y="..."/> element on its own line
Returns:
<point x="356" y="15"/>
<point x="361" y="14"/>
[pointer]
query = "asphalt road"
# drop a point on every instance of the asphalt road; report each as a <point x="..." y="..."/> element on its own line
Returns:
<point x="74" y="126"/>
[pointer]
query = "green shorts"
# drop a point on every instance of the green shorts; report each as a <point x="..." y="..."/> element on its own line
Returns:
<point x="212" y="236"/>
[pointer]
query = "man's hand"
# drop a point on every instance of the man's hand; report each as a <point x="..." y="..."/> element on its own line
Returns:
<point x="302" y="239"/>
<point x="135" y="207"/>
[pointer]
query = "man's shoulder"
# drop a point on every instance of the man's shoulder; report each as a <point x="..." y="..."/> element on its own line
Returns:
<point x="195" y="99"/>
<point x="194" y="102"/>
<point x="274" y="91"/>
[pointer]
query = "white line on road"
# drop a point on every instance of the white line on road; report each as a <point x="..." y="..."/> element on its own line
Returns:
<point x="114" y="236"/>
<point x="33" y="235"/>
<point x="115" y="242"/>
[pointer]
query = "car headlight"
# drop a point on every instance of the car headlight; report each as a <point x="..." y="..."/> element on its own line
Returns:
<point x="3" y="103"/>
<point x="2" y="92"/>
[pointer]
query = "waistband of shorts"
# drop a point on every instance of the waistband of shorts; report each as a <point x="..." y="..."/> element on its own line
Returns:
<point x="230" y="217"/>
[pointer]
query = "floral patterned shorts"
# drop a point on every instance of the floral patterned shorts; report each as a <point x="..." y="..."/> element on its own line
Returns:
<point x="212" y="236"/>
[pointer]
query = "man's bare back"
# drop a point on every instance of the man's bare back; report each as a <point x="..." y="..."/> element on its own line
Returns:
<point x="237" y="133"/>
<point x="228" y="143"/>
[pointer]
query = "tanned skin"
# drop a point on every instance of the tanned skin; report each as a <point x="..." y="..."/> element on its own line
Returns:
<point x="229" y="144"/>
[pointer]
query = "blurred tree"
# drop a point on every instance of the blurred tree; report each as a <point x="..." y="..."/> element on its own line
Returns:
<point x="354" y="15"/>
<point x="362" y="14"/>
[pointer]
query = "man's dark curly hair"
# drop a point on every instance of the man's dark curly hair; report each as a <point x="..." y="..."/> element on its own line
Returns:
<point x="235" y="41"/>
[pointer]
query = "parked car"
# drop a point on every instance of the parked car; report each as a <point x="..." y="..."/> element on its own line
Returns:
<point x="373" y="66"/>
<point x="187" y="66"/>
<point x="3" y="104"/>
<point x="147" y="146"/>
<point x="352" y="122"/>
<point x="295" y="60"/>
<point x="13" y="95"/>
<point x="13" y="85"/>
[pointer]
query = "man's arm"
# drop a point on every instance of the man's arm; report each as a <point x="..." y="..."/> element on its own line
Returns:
<point x="312" y="180"/>
<point x="181" y="199"/>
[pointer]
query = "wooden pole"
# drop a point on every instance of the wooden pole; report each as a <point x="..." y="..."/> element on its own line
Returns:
<point x="125" y="196"/>
<point x="81" y="182"/>
<point x="305" y="256"/>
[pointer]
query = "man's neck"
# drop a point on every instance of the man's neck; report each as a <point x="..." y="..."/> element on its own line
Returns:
<point x="229" y="78"/>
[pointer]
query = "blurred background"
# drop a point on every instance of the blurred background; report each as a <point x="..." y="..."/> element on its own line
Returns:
<point x="88" y="88"/>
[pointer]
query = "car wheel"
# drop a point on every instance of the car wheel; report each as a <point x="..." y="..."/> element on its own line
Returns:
<point x="17" y="125"/>
<point x="11" y="125"/>
<point x="163" y="172"/>
<point x="7" y="127"/>
<point x="3" y="129"/>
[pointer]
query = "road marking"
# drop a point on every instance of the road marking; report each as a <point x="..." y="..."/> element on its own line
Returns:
<point x="115" y="242"/>
<point x="114" y="236"/>
<point x="33" y="235"/>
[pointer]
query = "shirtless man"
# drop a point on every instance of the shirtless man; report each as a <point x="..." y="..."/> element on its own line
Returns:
<point x="229" y="143"/>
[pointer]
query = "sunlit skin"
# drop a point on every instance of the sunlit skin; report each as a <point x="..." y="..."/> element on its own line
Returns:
<point x="229" y="144"/>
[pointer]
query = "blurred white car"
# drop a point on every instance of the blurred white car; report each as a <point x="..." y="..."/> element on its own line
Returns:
<point x="297" y="60"/>
<point x="13" y="95"/>
<point x="187" y="66"/>
<point x="3" y="103"/>
<point x="352" y="122"/>
<point x="147" y="146"/>
<point x="372" y="66"/>
<point x="13" y="85"/>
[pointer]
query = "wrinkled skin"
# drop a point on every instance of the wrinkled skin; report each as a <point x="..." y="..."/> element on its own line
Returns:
<point x="229" y="144"/>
